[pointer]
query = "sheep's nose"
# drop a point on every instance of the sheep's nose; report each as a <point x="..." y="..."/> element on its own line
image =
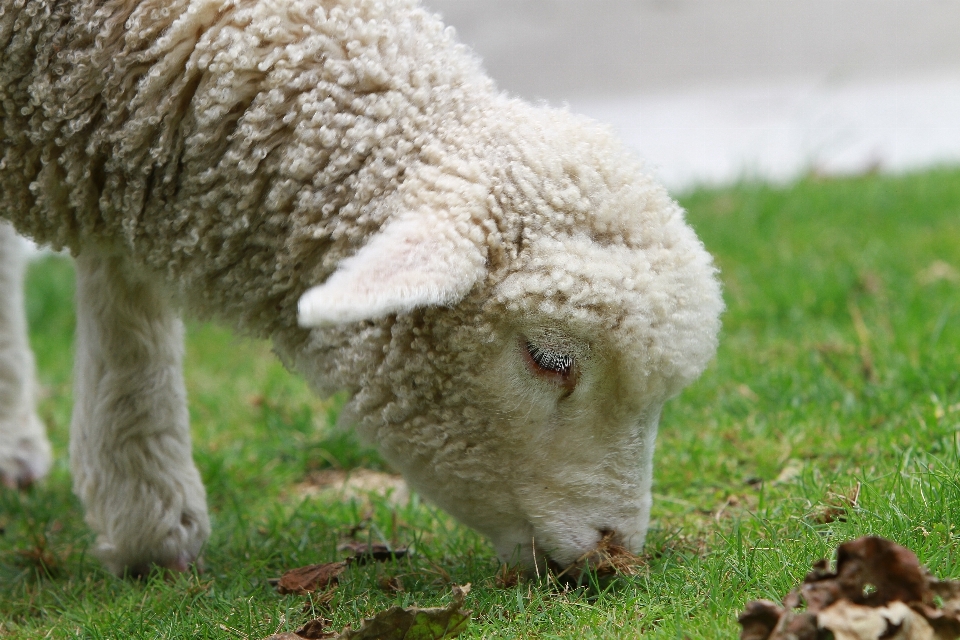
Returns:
<point x="609" y="544"/>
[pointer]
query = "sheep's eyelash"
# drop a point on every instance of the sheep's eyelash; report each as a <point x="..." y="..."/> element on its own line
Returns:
<point x="556" y="362"/>
<point x="555" y="366"/>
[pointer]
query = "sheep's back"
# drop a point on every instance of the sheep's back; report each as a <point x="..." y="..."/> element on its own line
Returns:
<point x="242" y="148"/>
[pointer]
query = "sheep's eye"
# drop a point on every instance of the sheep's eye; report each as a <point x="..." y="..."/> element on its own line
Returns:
<point x="554" y="365"/>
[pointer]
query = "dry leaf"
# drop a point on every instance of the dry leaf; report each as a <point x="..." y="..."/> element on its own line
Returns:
<point x="40" y="557"/>
<point x="412" y="623"/>
<point x="896" y="621"/>
<point x="879" y="590"/>
<point x="315" y="630"/>
<point x="391" y="584"/>
<point x="311" y="578"/>
<point x="759" y="619"/>
<point x="837" y="506"/>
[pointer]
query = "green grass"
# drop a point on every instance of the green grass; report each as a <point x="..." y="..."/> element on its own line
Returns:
<point x="837" y="373"/>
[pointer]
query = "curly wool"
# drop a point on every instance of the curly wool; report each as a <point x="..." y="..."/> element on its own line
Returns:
<point x="243" y="151"/>
<point x="244" y="148"/>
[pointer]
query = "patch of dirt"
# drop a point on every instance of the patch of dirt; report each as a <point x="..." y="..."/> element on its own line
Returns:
<point x="879" y="590"/>
<point x="356" y="484"/>
<point x="937" y="271"/>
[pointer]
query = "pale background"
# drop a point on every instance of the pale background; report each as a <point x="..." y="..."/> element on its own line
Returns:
<point x="709" y="91"/>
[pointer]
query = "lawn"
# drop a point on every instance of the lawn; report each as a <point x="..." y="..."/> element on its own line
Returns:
<point x="832" y="410"/>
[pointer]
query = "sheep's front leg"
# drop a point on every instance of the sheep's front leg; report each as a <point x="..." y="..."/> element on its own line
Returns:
<point x="24" y="449"/>
<point x="130" y="434"/>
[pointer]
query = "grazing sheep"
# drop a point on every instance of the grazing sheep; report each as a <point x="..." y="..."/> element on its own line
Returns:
<point x="507" y="297"/>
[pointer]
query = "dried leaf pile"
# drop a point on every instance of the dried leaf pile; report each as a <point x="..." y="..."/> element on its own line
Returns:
<point x="395" y="623"/>
<point x="879" y="590"/>
<point x="610" y="558"/>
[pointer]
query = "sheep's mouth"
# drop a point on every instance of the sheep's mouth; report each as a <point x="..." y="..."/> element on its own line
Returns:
<point x="609" y="559"/>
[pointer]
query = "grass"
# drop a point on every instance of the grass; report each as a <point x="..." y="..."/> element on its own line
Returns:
<point x="837" y="378"/>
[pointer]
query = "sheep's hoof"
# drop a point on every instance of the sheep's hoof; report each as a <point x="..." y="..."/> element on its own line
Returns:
<point x="23" y="460"/>
<point x="169" y="546"/>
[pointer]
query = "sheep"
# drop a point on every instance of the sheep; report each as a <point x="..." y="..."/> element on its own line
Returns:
<point x="505" y="294"/>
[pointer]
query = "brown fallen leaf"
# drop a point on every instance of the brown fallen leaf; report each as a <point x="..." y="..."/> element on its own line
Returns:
<point x="315" y="630"/>
<point x="362" y="552"/>
<point x="311" y="578"/>
<point x="895" y="621"/>
<point x="759" y="619"/>
<point x="412" y="623"/>
<point x="40" y="557"/>
<point x="312" y="630"/>
<point x="879" y="590"/>
<point x="836" y="507"/>
<point x="391" y="584"/>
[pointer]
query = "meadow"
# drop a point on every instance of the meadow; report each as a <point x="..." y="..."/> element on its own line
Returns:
<point x="832" y="410"/>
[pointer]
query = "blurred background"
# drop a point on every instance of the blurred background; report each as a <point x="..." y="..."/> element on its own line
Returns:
<point x="710" y="91"/>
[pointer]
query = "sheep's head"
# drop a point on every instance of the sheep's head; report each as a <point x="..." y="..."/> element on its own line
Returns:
<point x="518" y="382"/>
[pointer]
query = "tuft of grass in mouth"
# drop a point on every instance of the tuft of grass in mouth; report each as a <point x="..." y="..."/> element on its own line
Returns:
<point x="831" y="411"/>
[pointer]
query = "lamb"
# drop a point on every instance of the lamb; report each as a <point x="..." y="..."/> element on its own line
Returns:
<point x="507" y="297"/>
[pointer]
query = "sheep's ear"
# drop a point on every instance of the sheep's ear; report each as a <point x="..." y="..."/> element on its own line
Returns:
<point x="416" y="261"/>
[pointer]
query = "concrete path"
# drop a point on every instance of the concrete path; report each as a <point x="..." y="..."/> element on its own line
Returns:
<point x="713" y="90"/>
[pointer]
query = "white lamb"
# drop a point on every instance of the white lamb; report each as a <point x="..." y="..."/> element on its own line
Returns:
<point x="507" y="297"/>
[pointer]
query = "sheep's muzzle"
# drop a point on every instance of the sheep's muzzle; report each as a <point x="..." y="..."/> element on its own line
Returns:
<point x="610" y="558"/>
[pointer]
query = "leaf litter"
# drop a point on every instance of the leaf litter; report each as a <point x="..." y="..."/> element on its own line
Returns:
<point x="396" y="623"/>
<point x="878" y="590"/>
<point x="609" y="559"/>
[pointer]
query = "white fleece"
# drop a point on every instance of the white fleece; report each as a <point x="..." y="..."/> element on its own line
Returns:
<point x="342" y="178"/>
